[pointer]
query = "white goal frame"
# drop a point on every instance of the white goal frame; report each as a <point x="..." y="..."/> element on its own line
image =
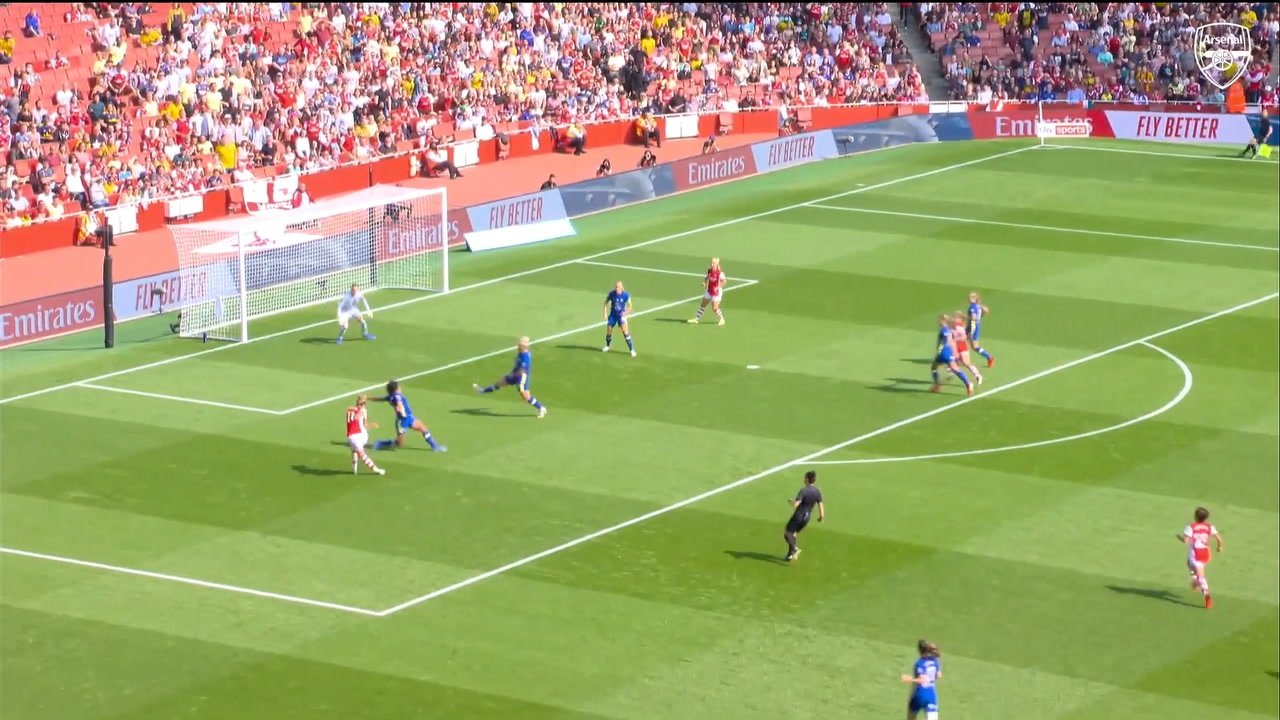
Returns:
<point x="1048" y="130"/>
<point x="247" y="268"/>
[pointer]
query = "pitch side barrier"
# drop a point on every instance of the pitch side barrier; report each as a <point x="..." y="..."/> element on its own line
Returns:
<point x="549" y="214"/>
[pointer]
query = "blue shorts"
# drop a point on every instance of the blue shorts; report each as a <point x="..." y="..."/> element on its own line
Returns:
<point x="617" y="320"/>
<point x="975" y="332"/>
<point x="922" y="705"/>
<point x="517" y="381"/>
<point x="405" y="424"/>
<point x="945" y="357"/>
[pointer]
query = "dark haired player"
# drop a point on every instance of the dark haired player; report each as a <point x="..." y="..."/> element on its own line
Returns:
<point x="924" y="678"/>
<point x="1260" y="137"/>
<point x="801" y="510"/>
<point x="405" y="420"/>
<point x="1196" y="537"/>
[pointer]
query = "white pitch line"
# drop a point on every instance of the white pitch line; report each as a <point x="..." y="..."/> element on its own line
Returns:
<point x="504" y="351"/>
<point x="640" y="268"/>
<point x="809" y="458"/>
<point x="523" y="273"/>
<point x="1155" y="153"/>
<point x="1048" y="228"/>
<point x="1178" y="398"/>
<point x="179" y="398"/>
<point x="191" y="581"/>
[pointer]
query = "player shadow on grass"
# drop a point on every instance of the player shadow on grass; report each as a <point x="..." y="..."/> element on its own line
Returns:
<point x="916" y="361"/>
<point x="753" y="555"/>
<point x="1151" y="594"/>
<point x="319" y="472"/>
<point x="902" y="385"/>
<point x="318" y="341"/>
<point x="589" y="348"/>
<point x="486" y="412"/>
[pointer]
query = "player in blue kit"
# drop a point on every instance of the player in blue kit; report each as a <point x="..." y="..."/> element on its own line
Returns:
<point x="976" y="312"/>
<point x="617" y="305"/>
<point x="924" y="677"/>
<point x="405" y="420"/>
<point x="519" y="378"/>
<point x="946" y="357"/>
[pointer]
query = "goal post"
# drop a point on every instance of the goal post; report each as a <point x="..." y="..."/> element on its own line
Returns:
<point x="1049" y="130"/>
<point x="238" y="270"/>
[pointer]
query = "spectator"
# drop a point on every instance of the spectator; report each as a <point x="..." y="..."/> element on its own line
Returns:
<point x="549" y="183"/>
<point x="31" y="24"/>
<point x="576" y="138"/>
<point x="605" y="169"/>
<point x="710" y="145"/>
<point x="648" y="159"/>
<point x="7" y="46"/>
<point x="438" y="161"/>
<point x="646" y="129"/>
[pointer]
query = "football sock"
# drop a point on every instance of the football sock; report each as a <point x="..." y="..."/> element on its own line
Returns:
<point x="489" y="389"/>
<point x="368" y="462"/>
<point x="534" y="402"/>
<point x="791" y="543"/>
<point x="342" y="332"/>
<point x="430" y="440"/>
<point x="963" y="378"/>
<point x="383" y="444"/>
<point x="936" y="380"/>
<point x="608" y="340"/>
<point x="983" y="352"/>
<point x="720" y="314"/>
<point x="630" y="345"/>
<point x="698" y="315"/>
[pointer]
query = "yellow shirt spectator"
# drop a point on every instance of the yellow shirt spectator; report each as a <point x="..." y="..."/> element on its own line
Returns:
<point x="228" y="154"/>
<point x="240" y="86"/>
<point x="116" y="54"/>
<point x="99" y="65"/>
<point x="305" y="22"/>
<point x="213" y="101"/>
<point x="204" y="147"/>
<point x="662" y="20"/>
<point x="149" y="37"/>
<point x="173" y="111"/>
<point x="1249" y="18"/>
<point x="648" y="45"/>
<point x="7" y="46"/>
<point x="367" y="129"/>
<point x="1002" y="18"/>
<point x="186" y="92"/>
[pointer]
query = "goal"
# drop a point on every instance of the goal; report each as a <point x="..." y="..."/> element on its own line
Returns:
<point x="242" y="269"/>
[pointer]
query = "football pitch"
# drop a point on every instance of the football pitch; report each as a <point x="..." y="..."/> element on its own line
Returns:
<point x="182" y="535"/>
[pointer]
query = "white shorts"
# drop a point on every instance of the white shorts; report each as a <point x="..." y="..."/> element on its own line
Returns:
<point x="1193" y="565"/>
<point x="713" y="298"/>
<point x="357" y="442"/>
<point x="344" y="316"/>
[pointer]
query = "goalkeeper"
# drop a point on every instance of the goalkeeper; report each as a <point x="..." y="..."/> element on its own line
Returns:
<point x="349" y="308"/>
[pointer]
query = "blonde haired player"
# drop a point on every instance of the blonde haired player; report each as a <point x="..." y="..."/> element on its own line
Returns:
<point x="1196" y="537"/>
<point x="714" y="284"/>
<point x="961" y="336"/>
<point x="358" y="436"/>
<point x="349" y="309"/>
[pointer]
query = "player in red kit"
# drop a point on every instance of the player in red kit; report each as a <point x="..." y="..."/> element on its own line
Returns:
<point x="358" y="436"/>
<point x="714" y="284"/>
<point x="1196" y="537"/>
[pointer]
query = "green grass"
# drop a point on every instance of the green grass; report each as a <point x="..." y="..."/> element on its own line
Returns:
<point x="1049" y="575"/>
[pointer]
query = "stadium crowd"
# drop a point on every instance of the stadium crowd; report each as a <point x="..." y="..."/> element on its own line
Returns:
<point x="181" y="98"/>
<point x="1124" y="52"/>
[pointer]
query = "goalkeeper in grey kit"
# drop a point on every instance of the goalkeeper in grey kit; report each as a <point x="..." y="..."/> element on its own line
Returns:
<point x="349" y="309"/>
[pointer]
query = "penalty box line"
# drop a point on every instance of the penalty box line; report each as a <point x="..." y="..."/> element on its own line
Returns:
<point x="742" y="284"/>
<point x="524" y="273"/>
<point x="812" y="456"/>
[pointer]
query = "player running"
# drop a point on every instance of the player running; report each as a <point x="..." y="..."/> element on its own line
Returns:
<point x="617" y="306"/>
<point x="349" y="308"/>
<point x="519" y="378"/>
<point x="976" y="312"/>
<point x="714" y="283"/>
<point x="358" y="436"/>
<point x="802" y="507"/>
<point x="924" y="678"/>
<point x="946" y="356"/>
<point x="405" y="420"/>
<point x="961" y="336"/>
<point x="1196" y="537"/>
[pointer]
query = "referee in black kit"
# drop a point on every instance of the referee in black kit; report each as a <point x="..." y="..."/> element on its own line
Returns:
<point x="802" y="509"/>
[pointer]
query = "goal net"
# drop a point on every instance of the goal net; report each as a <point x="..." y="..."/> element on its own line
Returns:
<point x="281" y="259"/>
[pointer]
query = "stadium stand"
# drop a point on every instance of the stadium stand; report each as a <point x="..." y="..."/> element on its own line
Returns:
<point x="1124" y="52"/>
<point x="111" y="103"/>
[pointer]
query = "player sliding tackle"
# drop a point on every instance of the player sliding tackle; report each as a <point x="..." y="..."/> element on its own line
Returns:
<point x="358" y="436"/>
<point x="405" y="420"/>
<point x="349" y="307"/>
<point x="520" y="377"/>
<point x="714" y="284"/>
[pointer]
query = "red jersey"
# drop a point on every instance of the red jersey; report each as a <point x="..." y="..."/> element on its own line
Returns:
<point x="1198" y="535"/>
<point x="961" y="337"/>
<point x="355" y="420"/>
<point x="715" y="278"/>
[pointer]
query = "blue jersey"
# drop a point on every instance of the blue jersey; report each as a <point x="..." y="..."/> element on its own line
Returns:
<point x="924" y="695"/>
<point x="404" y="413"/>
<point x="945" y="336"/>
<point x="522" y="373"/>
<point x="617" y="302"/>
<point x="975" y="320"/>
